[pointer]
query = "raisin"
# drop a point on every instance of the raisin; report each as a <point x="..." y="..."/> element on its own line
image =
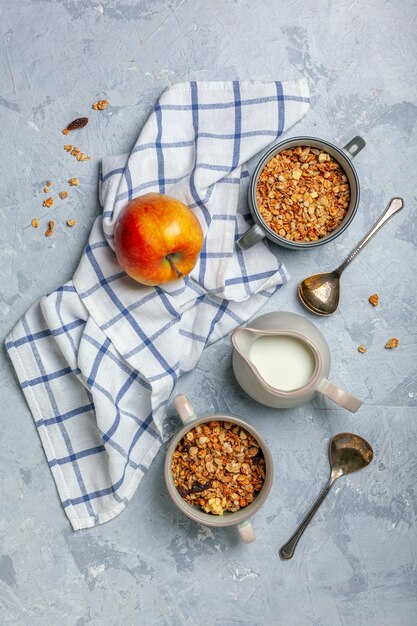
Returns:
<point x="183" y="492"/>
<point x="80" y="122"/>
<point x="197" y="487"/>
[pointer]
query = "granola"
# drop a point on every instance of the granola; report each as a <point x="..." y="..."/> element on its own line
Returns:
<point x="63" y="195"/>
<point x="73" y="182"/>
<point x="392" y="343"/>
<point x="362" y="349"/>
<point x="48" y="202"/>
<point x="374" y="299"/>
<point x="71" y="223"/>
<point x="219" y="467"/>
<point x="100" y="105"/>
<point x="35" y="222"/>
<point x="303" y="194"/>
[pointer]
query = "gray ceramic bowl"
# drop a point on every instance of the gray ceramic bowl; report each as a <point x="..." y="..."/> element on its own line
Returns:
<point x="343" y="156"/>
<point x="241" y="518"/>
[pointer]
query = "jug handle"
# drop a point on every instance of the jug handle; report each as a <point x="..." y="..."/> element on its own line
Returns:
<point x="338" y="395"/>
<point x="185" y="409"/>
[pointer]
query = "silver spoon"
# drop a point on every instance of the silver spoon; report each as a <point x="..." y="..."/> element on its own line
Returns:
<point x="320" y="293"/>
<point x="347" y="453"/>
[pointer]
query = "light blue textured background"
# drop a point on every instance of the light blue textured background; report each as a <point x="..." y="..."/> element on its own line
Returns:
<point x="357" y="563"/>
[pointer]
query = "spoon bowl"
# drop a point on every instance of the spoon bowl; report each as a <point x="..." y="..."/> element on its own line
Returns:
<point x="320" y="293"/>
<point x="348" y="453"/>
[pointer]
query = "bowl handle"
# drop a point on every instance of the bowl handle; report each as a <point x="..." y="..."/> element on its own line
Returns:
<point x="246" y="532"/>
<point x="354" y="146"/>
<point x="252" y="236"/>
<point x="341" y="397"/>
<point x="185" y="409"/>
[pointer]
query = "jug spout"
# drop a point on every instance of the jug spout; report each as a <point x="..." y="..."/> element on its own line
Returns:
<point x="242" y="339"/>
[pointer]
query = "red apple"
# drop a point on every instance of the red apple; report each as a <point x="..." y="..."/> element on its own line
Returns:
<point x="157" y="239"/>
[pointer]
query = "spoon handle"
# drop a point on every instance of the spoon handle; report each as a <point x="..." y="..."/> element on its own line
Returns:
<point x="288" y="549"/>
<point x="394" y="205"/>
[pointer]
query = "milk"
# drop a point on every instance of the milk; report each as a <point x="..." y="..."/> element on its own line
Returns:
<point x="284" y="362"/>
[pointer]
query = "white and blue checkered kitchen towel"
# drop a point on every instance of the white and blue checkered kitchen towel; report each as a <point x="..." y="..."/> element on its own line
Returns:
<point x="98" y="358"/>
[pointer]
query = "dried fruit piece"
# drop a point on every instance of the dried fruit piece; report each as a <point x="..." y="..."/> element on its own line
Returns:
<point x="73" y="182"/>
<point x="35" y="222"/>
<point x="100" y="105"/>
<point x="71" y="223"/>
<point x="374" y="299"/>
<point x="48" y="202"/>
<point x="392" y="343"/>
<point x="80" y="122"/>
<point x="68" y="147"/>
<point x="63" y="195"/>
<point x="362" y="349"/>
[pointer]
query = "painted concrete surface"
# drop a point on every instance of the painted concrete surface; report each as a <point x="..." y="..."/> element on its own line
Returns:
<point x="357" y="563"/>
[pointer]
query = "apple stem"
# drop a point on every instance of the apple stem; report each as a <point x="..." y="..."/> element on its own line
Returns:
<point x="174" y="267"/>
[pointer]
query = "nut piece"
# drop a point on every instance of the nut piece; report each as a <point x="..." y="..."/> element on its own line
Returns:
<point x="35" y="222"/>
<point x="73" y="182"/>
<point x="49" y="232"/>
<point x="362" y="349"/>
<point x="302" y="194"/>
<point x="374" y="299"/>
<point x="48" y="202"/>
<point x="63" y="195"/>
<point x="222" y="471"/>
<point x="392" y="343"/>
<point x="71" y="223"/>
<point x="65" y="131"/>
<point x="100" y="105"/>
<point x="68" y="148"/>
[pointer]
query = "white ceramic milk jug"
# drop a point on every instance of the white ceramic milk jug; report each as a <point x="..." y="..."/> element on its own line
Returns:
<point x="282" y="360"/>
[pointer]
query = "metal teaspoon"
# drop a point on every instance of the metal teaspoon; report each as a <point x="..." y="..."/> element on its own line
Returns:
<point x="347" y="453"/>
<point x="320" y="293"/>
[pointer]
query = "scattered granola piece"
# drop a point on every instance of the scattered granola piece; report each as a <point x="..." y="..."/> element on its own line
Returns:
<point x="73" y="182"/>
<point x="75" y="151"/>
<point x="51" y="224"/>
<point x="48" y="202"/>
<point x="80" y="122"/>
<point x="63" y="195"/>
<point x="68" y="148"/>
<point x="81" y="156"/>
<point x="65" y="131"/>
<point x="35" y="222"/>
<point x="48" y="183"/>
<point x="392" y="343"/>
<point x="362" y="349"/>
<point x="100" y="105"/>
<point x="71" y="223"/>
<point x="46" y="189"/>
<point x="374" y="299"/>
<point x="48" y="232"/>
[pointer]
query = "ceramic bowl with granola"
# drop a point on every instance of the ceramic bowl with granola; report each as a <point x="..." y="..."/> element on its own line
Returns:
<point x="218" y="469"/>
<point x="304" y="192"/>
